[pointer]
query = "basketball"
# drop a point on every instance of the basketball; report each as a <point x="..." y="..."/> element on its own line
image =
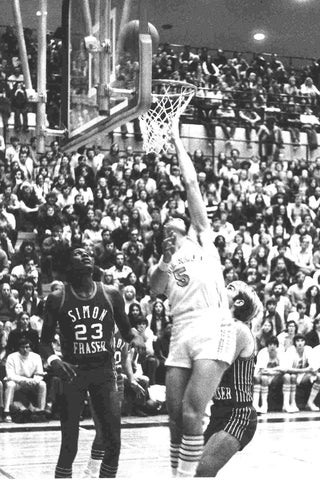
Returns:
<point x="129" y="37"/>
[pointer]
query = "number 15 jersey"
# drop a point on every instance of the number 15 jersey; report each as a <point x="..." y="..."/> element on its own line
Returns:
<point x="195" y="280"/>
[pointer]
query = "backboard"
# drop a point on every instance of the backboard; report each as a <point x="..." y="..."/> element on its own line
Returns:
<point x="104" y="83"/>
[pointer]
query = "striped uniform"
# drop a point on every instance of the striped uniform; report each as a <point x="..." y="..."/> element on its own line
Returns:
<point x="232" y="410"/>
<point x="202" y="324"/>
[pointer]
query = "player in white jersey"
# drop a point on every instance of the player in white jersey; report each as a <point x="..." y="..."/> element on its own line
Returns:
<point x="203" y="334"/>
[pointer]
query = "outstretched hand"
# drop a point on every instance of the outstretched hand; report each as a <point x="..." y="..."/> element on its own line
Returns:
<point x="168" y="246"/>
<point x="64" y="370"/>
<point x="138" y="343"/>
<point x="175" y="135"/>
<point x="137" y="388"/>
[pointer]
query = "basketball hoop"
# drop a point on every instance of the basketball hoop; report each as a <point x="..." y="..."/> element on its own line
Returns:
<point x="170" y="99"/>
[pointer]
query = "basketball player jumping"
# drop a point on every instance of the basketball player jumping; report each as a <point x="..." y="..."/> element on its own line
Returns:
<point x="203" y="335"/>
<point x="233" y="419"/>
<point x="86" y="312"/>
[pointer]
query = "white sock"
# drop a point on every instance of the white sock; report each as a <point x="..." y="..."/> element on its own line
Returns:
<point x="92" y="468"/>
<point x="189" y="456"/>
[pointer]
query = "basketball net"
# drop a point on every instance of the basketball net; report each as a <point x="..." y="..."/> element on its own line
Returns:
<point x="169" y="100"/>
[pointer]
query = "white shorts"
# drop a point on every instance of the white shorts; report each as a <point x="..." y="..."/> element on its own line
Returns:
<point x="202" y="335"/>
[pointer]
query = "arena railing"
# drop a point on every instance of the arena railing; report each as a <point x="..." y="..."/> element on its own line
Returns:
<point x="291" y="61"/>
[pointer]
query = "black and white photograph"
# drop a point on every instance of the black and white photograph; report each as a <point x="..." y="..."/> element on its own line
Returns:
<point x="159" y="239"/>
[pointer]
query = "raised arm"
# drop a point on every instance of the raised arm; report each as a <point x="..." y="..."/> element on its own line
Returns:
<point x="197" y="210"/>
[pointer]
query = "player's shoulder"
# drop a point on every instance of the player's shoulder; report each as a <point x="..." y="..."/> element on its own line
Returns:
<point x="245" y="340"/>
<point x="54" y="299"/>
<point x="111" y="292"/>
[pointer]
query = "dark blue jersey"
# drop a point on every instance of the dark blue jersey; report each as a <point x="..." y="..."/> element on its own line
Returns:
<point x="236" y="386"/>
<point x="119" y="345"/>
<point x="86" y="326"/>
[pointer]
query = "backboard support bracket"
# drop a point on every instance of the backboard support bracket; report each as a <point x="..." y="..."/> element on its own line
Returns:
<point x="105" y="124"/>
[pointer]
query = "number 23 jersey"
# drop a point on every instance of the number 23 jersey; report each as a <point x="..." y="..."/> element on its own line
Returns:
<point x="86" y="326"/>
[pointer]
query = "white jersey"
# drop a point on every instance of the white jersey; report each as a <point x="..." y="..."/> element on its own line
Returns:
<point x="195" y="280"/>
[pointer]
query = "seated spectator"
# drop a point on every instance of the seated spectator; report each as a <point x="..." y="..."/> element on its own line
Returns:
<point x="303" y="257"/>
<point x="238" y="261"/>
<point x="161" y="350"/>
<point x="5" y="108"/>
<point x="291" y="90"/>
<point x="313" y="336"/>
<point x="23" y="330"/>
<point x="65" y="196"/>
<point x="7" y="303"/>
<point x="25" y="271"/>
<point x="48" y="220"/>
<point x="148" y="361"/>
<point x="54" y="254"/>
<point x="286" y="337"/>
<point x="264" y="333"/>
<point x="121" y="234"/>
<point x="284" y="305"/>
<point x="93" y="231"/>
<point x="158" y="319"/>
<point x="120" y="270"/>
<point x="81" y="188"/>
<point x="17" y="310"/>
<point x="297" y="291"/>
<point x="24" y="373"/>
<point x="134" y="258"/>
<point x="252" y="277"/>
<point x="129" y="297"/>
<point x="314" y="199"/>
<point x="12" y="150"/>
<point x="134" y="240"/>
<point x="303" y="322"/>
<point x="133" y="280"/>
<point x="139" y="401"/>
<point x="3" y="346"/>
<point x="312" y="300"/>
<point x="15" y="77"/>
<point x="19" y="104"/>
<point x="6" y="242"/>
<point x="298" y="370"/>
<point x="26" y="250"/>
<point x="309" y="90"/>
<point x="105" y="251"/>
<point x="267" y="372"/>
<point x="134" y="313"/>
<point x="29" y="204"/>
<point x="111" y="221"/>
<point x="226" y="119"/>
<point x="273" y="316"/>
<point x="297" y="210"/>
<point x="270" y="140"/>
<point x="10" y="200"/>
<point x="249" y="119"/>
<point x="33" y="305"/>
<point x="4" y="265"/>
<point x="142" y="205"/>
<point x="239" y="244"/>
<point x="85" y="171"/>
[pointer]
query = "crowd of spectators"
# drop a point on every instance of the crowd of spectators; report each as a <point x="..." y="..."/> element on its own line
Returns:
<point x="265" y="220"/>
<point x="256" y="93"/>
<point x="13" y="94"/>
